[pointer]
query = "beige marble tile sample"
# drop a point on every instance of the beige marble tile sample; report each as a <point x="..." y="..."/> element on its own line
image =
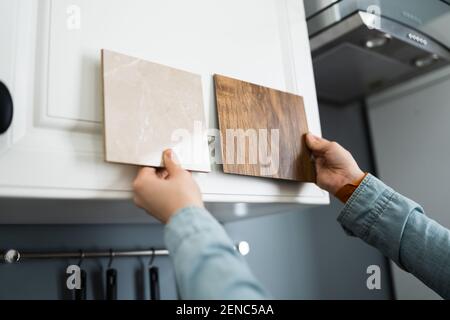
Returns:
<point x="149" y="108"/>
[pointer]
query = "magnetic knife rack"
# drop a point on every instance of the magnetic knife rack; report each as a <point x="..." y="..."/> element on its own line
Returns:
<point x="14" y="256"/>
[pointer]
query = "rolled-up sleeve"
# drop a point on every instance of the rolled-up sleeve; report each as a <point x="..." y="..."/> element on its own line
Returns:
<point x="398" y="227"/>
<point x="207" y="265"/>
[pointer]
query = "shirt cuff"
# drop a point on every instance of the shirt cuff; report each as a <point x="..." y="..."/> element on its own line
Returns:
<point x="371" y="214"/>
<point x="347" y="191"/>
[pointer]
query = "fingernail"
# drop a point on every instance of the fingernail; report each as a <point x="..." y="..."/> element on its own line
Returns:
<point x="169" y="153"/>
<point x="313" y="137"/>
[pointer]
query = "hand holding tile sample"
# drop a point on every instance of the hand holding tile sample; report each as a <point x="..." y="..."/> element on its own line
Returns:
<point x="263" y="131"/>
<point x="150" y="108"/>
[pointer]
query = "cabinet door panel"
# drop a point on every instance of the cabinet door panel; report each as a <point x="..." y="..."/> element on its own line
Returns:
<point x="200" y="35"/>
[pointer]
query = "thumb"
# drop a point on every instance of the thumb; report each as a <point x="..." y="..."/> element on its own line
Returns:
<point x="317" y="144"/>
<point x="171" y="162"/>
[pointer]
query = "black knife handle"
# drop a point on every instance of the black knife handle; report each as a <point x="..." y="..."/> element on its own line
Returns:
<point x="154" y="284"/>
<point x="111" y="284"/>
<point x="80" y="294"/>
<point x="6" y="108"/>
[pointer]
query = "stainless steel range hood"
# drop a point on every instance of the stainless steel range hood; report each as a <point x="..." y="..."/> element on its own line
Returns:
<point x="362" y="47"/>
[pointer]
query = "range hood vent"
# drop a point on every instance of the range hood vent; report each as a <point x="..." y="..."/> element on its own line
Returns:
<point x="366" y="53"/>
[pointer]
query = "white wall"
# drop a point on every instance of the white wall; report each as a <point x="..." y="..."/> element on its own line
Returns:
<point x="411" y="132"/>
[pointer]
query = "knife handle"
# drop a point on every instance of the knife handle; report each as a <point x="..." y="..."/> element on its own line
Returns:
<point x="154" y="283"/>
<point x="111" y="284"/>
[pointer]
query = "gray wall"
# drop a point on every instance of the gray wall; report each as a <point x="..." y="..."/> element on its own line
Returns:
<point x="411" y="130"/>
<point x="297" y="255"/>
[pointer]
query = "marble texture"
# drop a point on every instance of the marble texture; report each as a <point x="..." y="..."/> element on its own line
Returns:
<point x="149" y="108"/>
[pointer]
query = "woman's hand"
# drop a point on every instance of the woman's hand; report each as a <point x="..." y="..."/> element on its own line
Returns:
<point x="335" y="166"/>
<point x="162" y="192"/>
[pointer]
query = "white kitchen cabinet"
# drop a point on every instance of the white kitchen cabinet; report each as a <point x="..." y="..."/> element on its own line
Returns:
<point x="50" y="60"/>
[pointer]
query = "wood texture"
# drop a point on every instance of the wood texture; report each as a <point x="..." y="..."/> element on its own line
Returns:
<point x="246" y="106"/>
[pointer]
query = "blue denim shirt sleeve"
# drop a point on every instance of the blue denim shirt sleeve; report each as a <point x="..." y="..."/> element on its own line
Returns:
<point x="398" y="227"/>
<point x="207" y="265"/>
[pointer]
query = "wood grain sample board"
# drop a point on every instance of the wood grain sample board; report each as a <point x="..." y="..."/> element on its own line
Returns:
<point x="251" y="117"/>
<point x="150" y="108"/>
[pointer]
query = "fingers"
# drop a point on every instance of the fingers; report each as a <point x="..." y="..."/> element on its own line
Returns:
<point x="316" y="144"/>
<point x="137" y="201"/>
<point x="170" y="162"/>
<point x="144" y="175"/>
<point x="146" y="172"/>
<point x="148" y="180"/>
<point x="162" y="173"/>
